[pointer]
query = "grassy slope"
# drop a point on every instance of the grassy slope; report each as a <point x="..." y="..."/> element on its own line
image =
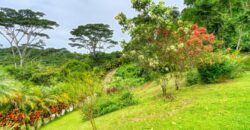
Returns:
<point x="206" y="107"/>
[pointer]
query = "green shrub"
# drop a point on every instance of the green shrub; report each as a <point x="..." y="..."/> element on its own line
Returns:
<point x="73" y="66"/>
<point x="111" y="103"/>
<point x="130" y="75"/>
<point x="219" y="71"/>
<point x="192" y="78"/>
<point x="22" y="74"/>
<point x="126" y="99"/>
<point x="35" y="73"/>
<point x="105" y="106"/>
<point x="132" y="71"/>
<point x="46" y="77"/>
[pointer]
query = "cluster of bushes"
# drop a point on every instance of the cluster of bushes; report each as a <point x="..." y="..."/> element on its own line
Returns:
<point x="130" y="75"/>
<point x="35" y="73"/>
<point x="27" y="106"/>
<point x="111" y="103"/>
<point x="39" y="74"/>
<point x="48" y="89"/>
<point x="106" y="61"/>
<point x="24" y="107"/>
<point x="73" y="66"/>
<point x="217" y="70"/>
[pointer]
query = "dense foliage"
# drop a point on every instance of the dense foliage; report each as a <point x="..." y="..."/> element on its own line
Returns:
<point x="227" y="19"/>
<point x="130" y="75"/>
<point x="218" y="68"/>
<point x="192" y="77"/>
<point x="108" y="104"/>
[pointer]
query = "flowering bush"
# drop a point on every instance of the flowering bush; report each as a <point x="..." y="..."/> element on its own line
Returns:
<point x="220" y="66"/>
<point x="194" y="45"/>
<point x="13" y="118"/>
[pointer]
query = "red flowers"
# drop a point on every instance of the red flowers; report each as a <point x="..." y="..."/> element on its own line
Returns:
<point x="198" y="43"/>
<point x="209" y="37"/>
<point x="54" y="109"/>
<point x="201" y="34"/>
<point x="212" y="37"/>
<point x="194" y="26"/>
<point x="14" y="117"/>
<point x="202" y="30"/>
<point x="196" y="33"/>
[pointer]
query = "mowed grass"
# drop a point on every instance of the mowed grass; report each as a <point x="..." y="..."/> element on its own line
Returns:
<point x="224" y="106"/>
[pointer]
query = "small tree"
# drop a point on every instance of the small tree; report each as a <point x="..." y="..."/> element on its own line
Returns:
<point x="93" y="37"/>
<point x="161" y="42"/>
<point x="151" y="34"/>
<point x="23" y="29"/>
<point x="88" y="88"/>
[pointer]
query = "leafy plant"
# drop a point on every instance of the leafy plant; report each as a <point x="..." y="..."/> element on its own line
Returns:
<point x="130" y="75"/>
<point x="108" y="104"/>
<point x="35" y="73"/>
<point x="192" y="77"/>
<point x="219" y="68"/>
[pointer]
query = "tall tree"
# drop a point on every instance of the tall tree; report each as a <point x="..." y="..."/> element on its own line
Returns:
<point x="227" y="19"/>
<point x="93" y="37"/>
<point x="24" y="29"/>
<point x="204" y="13"/>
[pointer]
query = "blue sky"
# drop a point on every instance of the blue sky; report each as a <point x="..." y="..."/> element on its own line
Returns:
<point x="71" y="13"/>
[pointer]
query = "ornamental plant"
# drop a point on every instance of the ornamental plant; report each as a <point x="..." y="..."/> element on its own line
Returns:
<point x="161" y="42"/>
<point x="14" y="118"/>
<point x="196" y="45"/>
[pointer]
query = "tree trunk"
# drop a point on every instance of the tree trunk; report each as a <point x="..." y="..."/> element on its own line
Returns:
<point x="164" y="87"/>
<point x="239" y="39"/>
<point x="14" y="55"/>
<point x="177" y="82"/>
<point x="21" y="61"/>
<point x="91" y="112"/>
<point x="92" y="121"/>
<point x="230" y="9"/>
<point x="36" y="126"/>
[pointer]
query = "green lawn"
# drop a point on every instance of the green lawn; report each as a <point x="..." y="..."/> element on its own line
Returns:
<point x="203" y="107"/>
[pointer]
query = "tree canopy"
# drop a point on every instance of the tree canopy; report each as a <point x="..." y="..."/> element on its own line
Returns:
<point x="93" y="37"/>
<point x="229" y="20"/>
<point x="24" y="29"/>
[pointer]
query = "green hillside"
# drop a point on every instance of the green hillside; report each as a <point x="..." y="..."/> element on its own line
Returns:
<point x="217" y="107"/>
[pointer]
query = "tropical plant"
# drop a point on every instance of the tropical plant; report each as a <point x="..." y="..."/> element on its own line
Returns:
<point x="93" y="37"/>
